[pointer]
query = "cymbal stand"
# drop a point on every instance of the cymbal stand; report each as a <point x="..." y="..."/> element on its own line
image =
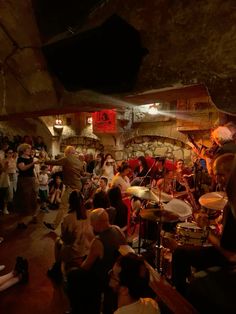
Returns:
<point x="140" y="229"/>
<point x="138" y="221"/>
<point x="158" y="247"/>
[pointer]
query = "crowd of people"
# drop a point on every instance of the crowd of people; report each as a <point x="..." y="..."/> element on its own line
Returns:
<point x="94" y="213"/>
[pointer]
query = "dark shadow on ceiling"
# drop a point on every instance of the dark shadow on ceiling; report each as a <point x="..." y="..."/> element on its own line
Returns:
<point x="105" y="59"/>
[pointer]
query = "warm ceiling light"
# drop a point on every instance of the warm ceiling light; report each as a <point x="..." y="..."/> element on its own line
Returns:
<point x="153" y="108"/>
<point x="58" y="123"/>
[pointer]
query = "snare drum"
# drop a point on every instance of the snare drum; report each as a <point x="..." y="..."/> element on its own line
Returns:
<point x="189" y="233"/>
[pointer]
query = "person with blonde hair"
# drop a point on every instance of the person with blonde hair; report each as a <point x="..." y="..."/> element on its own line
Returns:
<point x="72" y="170"/>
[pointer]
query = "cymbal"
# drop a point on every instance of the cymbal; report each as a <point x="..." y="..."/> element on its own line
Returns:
<point x="158" y="215"/>
<point x="179" y="207"/>
<point x="162" y="196"/>
<point x="143" y="193"/>
<point x="149" y="194"/>
<point x="214" y="200"/>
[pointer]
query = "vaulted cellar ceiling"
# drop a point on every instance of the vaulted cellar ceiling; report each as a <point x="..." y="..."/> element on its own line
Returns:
<point x="187" y="43"/>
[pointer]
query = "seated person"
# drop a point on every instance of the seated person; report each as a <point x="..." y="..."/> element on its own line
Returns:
<point x="158" y="170"/>
<point x="85" y="285"/>
<point x="129" y="278"/>
<point x="165" y="184"/>
<point x="101" y="200"/>
<point x="109" y="167"/>
<point x="56" y="192"/>
<point x="18" y="275"/>
<point x="88" y="191"/>
<point x="121" y="179"/>
<point x="140" y="172"/>
<point x="103" y="184"/>
<point x="72" y="247"/>
<point x="121" y="218"/>
<point x="183" y="177"/>
<point x="218" y="286"/>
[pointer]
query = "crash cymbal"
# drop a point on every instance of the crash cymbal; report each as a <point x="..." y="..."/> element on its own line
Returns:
<point x="162" y="196"/>
<point x="179" y="207"/>
<point x="158" y="215"/>
<point x="143" y="193"/>
<point x="214" y="200"/>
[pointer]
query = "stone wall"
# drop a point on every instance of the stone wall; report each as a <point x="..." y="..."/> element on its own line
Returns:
<point x="83" y="145"/>
<point x="157" y="146"/>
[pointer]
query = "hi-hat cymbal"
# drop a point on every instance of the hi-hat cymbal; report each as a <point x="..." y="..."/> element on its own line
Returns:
<point x="158" y="215"/>
<point x="143" y="193"/>
<point x="214" y="200"/>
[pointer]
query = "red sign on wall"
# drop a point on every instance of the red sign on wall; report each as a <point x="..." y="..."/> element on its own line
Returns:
<point x="104" y="121"/>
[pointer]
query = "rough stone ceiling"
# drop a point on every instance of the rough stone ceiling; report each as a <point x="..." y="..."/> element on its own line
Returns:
<point x="189" y="43"/>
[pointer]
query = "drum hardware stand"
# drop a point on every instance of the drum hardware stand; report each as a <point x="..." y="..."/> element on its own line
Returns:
<point x="158" y="248"/>
<point x="140" y="231"/>
<point x="158" y="245"/>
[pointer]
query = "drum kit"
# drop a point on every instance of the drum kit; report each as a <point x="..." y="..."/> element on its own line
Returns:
<point x="173" y="210"/>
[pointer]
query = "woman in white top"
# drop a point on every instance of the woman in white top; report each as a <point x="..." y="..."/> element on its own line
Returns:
<point x="121" y="179"/>
<point x="109" y="167"/>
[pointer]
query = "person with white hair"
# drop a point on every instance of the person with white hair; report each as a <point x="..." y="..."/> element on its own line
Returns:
<point x="72" y="169"/>
<point x="223" y="141"/>
<point x="222" y="135"/>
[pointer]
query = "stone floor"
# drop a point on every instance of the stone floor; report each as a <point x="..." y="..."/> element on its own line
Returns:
<point x="39" y="295"/>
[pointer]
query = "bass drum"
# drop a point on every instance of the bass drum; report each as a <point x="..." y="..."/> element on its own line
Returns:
<point x="188" y="233"/>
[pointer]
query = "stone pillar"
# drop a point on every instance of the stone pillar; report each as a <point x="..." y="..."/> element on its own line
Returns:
<point x="56" y="141"/>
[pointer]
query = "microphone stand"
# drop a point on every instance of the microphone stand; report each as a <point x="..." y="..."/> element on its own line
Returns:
<point x="149" y="170"/>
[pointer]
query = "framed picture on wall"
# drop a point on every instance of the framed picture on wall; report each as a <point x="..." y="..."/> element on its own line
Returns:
<point x="104" y="121"/>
